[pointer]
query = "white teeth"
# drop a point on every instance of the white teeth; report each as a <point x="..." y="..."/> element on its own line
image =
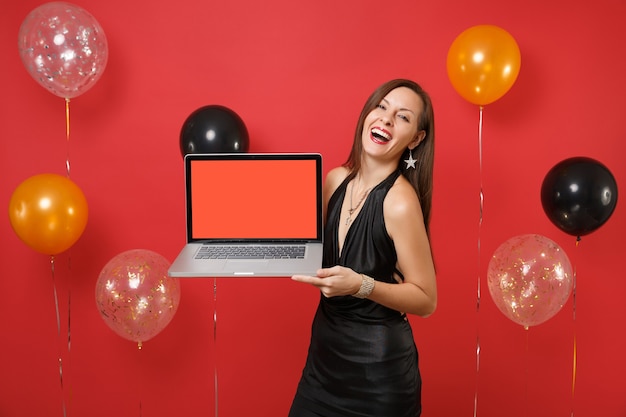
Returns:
<point x="380" y="133"/>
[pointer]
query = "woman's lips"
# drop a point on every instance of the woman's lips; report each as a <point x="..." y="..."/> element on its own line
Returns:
<point x="379" y="135"/>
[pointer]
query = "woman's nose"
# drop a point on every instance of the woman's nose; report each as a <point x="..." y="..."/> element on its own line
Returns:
<point x="385" y="118"/>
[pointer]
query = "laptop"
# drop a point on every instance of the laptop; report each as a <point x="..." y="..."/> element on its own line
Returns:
<point x="252" y="215"/>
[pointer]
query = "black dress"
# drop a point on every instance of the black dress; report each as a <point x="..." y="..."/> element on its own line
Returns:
<point x="362" y="360"/>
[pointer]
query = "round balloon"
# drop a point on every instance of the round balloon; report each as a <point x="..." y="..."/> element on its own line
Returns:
<point x="63" y="48"/>
<point x="135" y="296"/>
<point x="213" y="129"/>
<point x="579" y="195"/>
<point x="483" y="63"/>
<point x="48" y="212"/>
<point x="530" y="279"/>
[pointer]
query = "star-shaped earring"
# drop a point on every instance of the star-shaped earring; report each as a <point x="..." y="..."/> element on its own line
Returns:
<point x="410" y="163"/>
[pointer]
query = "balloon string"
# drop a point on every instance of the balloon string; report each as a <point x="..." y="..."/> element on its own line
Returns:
<point x="481" y="194"/>
<point x="69" y="261"/>
<point x="574" y="284"/>
<point x="67" y="135"/>
<point x="575" y="347"/>
<point x="477" y="368"/>
<point x="141" y="388"/>
<point x="67" y="168"/>
<point x="480" y="222"/>
<point x="69" y="334"/>
<point x="56" y="299"/>
<point x="58" y="316"/>
<point x="527" y="373"/>
<point x="480" y="157"/>
<point x="574" y="376"/>
<point x="69" y="308"/>
<point x="215" y="342"/>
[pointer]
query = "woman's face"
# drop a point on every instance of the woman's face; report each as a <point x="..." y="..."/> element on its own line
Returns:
<point x="391" y="127"/>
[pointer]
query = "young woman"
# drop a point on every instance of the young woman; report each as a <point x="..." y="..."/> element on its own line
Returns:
<point x="378" y="267"/>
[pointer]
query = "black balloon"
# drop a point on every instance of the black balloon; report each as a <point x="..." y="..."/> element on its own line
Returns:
<point x="213" y="129"/>
<point x="579" y="195"/>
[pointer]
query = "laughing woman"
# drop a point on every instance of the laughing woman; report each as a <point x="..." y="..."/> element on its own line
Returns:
<point x="378" y="266"/>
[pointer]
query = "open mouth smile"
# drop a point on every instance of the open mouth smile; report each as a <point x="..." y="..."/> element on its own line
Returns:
<point x="379" y="135"/>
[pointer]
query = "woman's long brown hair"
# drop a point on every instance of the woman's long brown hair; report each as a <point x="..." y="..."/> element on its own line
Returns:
<point x="421" y="178"/>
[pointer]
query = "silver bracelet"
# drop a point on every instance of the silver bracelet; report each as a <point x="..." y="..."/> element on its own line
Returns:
<point x="367" y="286"/>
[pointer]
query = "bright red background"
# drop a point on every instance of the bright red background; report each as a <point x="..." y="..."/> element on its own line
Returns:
<point x="298" y="72"/>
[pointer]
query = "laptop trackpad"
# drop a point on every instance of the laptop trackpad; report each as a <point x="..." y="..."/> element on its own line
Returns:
<point x="245" y="266"/>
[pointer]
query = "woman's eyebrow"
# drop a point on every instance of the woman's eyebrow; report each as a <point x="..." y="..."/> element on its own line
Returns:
<point x="401" y="109"/>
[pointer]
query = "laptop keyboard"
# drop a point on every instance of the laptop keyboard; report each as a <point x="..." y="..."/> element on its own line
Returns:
<point x="251" y="252"/>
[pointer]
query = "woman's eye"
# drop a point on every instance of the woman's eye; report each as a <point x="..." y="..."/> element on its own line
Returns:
<point x="381" y="106"/>
<point x="403" y="117"/>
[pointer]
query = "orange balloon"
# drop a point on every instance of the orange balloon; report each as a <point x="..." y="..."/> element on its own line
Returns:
<point x="48" y="212"/>
<point x="483" y="63"/>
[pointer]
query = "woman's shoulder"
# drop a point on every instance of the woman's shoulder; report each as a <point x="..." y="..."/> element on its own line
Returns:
<point x="334" y="178"/>
<point x="402" y="199"/>
<point x="336" y="175"/>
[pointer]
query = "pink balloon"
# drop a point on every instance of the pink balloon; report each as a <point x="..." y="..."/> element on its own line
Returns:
<point x="530" y="279"/>
<point x="135" y="296"/>
<point x="63" y="48"/>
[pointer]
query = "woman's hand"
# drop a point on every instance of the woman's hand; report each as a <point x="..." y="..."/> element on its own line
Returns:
<point x="334" y="281"/>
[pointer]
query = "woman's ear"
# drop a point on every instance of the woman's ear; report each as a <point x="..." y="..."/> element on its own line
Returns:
<point x="418" y="139"/>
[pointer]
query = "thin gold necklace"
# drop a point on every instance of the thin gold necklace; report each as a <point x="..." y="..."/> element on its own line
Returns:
<point x="352" y="209"/>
